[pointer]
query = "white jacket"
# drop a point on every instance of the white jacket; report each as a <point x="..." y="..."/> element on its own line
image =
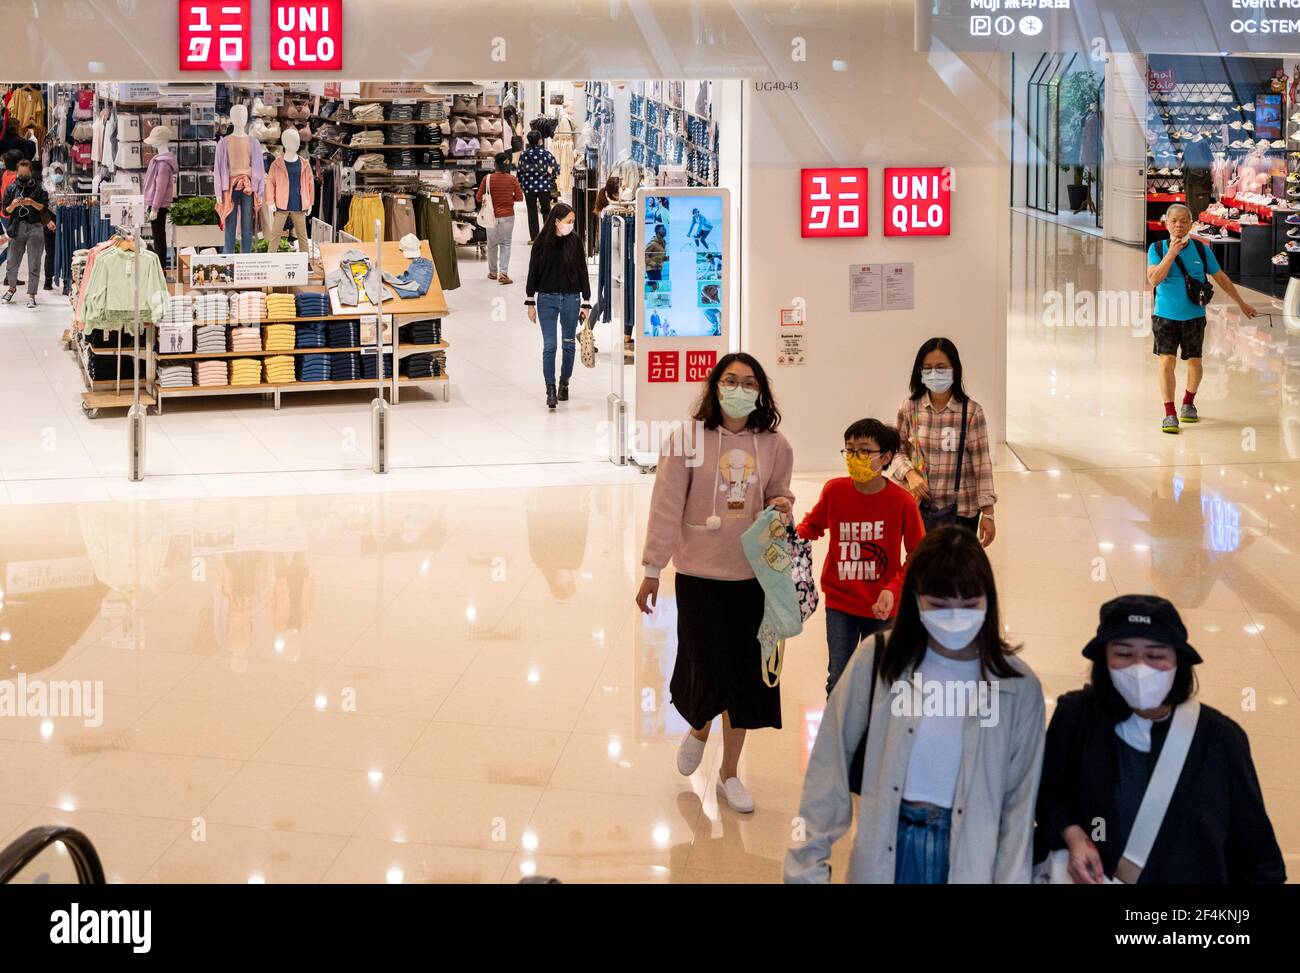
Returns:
<point x="991" y="841"/>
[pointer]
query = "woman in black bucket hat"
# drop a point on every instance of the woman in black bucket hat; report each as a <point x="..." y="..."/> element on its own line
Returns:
<point x="1141" y="783"/>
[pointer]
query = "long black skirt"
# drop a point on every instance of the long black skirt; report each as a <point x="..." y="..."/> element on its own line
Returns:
<point x="719" y="661"/>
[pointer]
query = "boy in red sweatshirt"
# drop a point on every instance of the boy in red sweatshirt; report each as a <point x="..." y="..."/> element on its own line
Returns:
<point x="869" y="518"/>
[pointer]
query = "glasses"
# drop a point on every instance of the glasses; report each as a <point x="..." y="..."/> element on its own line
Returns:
<point x="731" y="384"/>
<point x="860" y="453"/>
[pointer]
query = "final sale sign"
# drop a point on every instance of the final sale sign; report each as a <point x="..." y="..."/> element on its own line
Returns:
<point x="918" y="202"/>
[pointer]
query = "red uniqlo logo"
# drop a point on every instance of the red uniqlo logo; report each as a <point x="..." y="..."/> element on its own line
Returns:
<point x="216" y="35"/>
<point x="918" y="202"/>
<point x="833" y="202"/>
<point x="699" y="364"/>
<point x="306" y="36"/>
<point x="661" y="366"/>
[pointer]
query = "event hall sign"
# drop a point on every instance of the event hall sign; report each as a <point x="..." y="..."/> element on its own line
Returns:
<point x="1100" y="26"/>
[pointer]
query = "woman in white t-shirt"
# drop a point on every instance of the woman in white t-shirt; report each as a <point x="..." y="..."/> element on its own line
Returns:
<point x="949" y="765"/>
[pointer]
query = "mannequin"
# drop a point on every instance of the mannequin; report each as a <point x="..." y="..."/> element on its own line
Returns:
<point x="160" y="187"/>
<point x="239" y="179"/>
<point x="292" y="190"/>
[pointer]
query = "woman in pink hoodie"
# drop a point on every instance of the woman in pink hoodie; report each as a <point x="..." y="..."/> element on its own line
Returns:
<point x="711" y="485"/>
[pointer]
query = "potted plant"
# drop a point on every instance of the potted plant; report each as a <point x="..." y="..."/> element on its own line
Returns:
<point x="194" y="222"/>
<point x="1080" y="132"/>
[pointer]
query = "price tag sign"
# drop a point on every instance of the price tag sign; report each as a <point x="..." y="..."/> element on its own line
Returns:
<point x="126" y="211"/>
<point x="248" y="270"/>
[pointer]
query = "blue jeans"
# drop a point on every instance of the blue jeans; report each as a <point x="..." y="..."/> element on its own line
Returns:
<point x="243" y="211"/>
<point x="843" y="633"/>
<point x="922" y="845"/>
<point x="561" y="308"/>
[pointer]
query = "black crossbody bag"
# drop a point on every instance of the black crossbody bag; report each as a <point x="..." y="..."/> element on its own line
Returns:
<point x="860" y="754"/>
<point x="1199" y="292"/>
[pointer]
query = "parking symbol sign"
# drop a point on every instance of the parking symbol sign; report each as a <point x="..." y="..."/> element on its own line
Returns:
<point x="981" y="26"/>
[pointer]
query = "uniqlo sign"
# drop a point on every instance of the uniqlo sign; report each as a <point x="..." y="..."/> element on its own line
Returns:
<point x="216" y="35"/>
<point x="833" y="202"/>
<point x="661" y="366"/>
<point x="699" y="364"/>
<point x="918" y="202"/>
<point x="306" y="36"/>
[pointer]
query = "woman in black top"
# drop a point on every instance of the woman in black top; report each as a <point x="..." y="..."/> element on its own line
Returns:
<point x="1102" y="746"/>
<point x="557" y="278"/>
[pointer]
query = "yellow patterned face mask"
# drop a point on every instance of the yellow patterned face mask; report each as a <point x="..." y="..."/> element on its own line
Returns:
<point x="860" y="470"/>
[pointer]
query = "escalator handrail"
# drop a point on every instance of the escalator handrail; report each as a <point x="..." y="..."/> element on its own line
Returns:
<point x="23" y="850"/>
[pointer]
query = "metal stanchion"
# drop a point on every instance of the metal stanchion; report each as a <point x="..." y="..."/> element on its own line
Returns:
<point x="379" y="418"/>
<point x="135" y="425"/>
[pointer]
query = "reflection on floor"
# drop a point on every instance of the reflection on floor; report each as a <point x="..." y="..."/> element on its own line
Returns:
<point x="456" y="686"/>
<point x="1083" y="393"/>
<point x="318" y="442"/>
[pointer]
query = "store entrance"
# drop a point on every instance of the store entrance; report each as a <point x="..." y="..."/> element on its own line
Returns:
<point x="247" y="367"/>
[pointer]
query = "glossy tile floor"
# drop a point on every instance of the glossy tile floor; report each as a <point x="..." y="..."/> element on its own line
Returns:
<point x="454" y="685"/>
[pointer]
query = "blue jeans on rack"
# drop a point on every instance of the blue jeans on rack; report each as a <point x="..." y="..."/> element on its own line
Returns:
<point x="561" y="309"/>
<point x="921" y="851"/>
<point x="244" y="211"/>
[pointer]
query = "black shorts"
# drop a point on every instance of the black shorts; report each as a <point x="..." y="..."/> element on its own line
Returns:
<point x="719" y="661"/>
<point x="1170" y="335"/>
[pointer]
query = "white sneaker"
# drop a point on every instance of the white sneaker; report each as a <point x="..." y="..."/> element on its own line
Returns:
<point x="689" y="754"/>
<point x="736" y="795"/>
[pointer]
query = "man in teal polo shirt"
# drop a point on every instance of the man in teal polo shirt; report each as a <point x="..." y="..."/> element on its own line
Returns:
<point x="1178" y="322"/>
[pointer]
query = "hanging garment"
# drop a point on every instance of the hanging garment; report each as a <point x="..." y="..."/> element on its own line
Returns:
<point x="111" y="295"/>
<point x="364" y="211"/>
<point x="433" y="224"/>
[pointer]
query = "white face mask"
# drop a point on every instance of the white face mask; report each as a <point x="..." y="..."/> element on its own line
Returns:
<point x="1142" y="686"/>
<point x="953" y="628"/>
<point x="563" y="229"/>
<point x="937" y="379"/>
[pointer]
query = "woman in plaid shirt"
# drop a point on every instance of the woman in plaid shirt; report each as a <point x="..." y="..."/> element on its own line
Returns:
<point x="929" y="424"/>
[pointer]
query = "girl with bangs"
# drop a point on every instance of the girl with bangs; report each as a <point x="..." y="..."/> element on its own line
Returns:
<point x="940" y="730"/>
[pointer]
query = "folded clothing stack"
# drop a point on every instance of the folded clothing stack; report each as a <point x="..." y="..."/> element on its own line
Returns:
<point x="368" y="366"/>
<point x="369" y="162"/>
<point x="212" y="309"/>
<point x="281" y="307"/>
<point x="210" y="339"/>
<point x="401" y="113"/>
<point x="344" y="334"/>
<point x="313" y="304"/>
<point x="426" y="365"/>
<point x="311" y="335"/>
<point x="212" y="372"/>
<point x="431" y="111"/>
<point x="367" y="139"/>
<point x="248" y="306"/>
<point x="398" y="135"/>
<point x="279" y="369"/>
<point x="313" y="368"/>
<point x="345" y="366"/>
<point x="280" y="337"/>
<point x="418" y="366"/>
<point x="176" y="376"/>
<point x="246" y="371"/>
<point x="367" y="113"/>
<point x="405" y="159"/>
<point x="421" y="332"/>
<point x="245" y="339"/>
<point x="180" y="310"/>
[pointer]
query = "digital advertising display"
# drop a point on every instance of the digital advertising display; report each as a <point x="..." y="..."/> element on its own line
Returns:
<point x="683" y="254"/>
